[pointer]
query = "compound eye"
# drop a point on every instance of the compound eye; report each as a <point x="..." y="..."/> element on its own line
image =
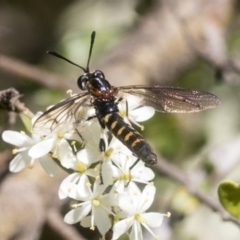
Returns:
<point x="82" y="82"/>
<point x="99" y="74"/>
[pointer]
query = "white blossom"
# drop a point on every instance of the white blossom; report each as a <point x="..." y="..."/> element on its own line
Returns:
<point x="134" y="206"/>
<point x="97" y="204"/>
<point x="24" y="145"/>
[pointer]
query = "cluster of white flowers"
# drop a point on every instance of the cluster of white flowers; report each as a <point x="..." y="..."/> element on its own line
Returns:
<point x="108" y="192"/>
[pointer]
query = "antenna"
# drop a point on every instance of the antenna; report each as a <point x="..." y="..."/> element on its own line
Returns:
<point x="90" y="51"/>
<point x="61" y="57"/>
<point x="86" y="70"/>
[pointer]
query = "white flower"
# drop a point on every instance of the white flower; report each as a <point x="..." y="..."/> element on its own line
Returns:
<point x="126" y="178"/>
<point x="77" y="182"/>
<point x="22" y="159"/>
<point x="134" y="206"/>
<point x="57" y="144"/>
<point x="137" y="112"/>
<point x="97" y="204"/>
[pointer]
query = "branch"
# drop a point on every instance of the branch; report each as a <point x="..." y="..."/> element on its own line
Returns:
<point x="178" y="175"/>
<point x="36" y="74"/>
<point x="9" y="100"/>
<point x="67" y="232"/>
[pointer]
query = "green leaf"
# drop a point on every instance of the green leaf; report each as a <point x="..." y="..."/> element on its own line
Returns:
<point x="27" y="122"/>
<point x="229" y="196"/>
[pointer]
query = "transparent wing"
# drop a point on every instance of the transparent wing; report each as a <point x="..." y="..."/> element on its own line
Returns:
<point x="62" y="116"/>
<point x="172" y="99"/>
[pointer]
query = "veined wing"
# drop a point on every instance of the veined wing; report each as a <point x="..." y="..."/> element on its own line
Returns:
<point x="172" y="99"/>
<point x="61" y="117"/>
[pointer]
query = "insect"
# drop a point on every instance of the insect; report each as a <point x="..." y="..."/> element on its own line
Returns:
<point x="104" y="98"/>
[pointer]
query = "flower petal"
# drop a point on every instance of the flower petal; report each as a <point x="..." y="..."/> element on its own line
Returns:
<point x="16" y="138"/>
<point x="146" y="198"/>
<point x="102" y="220"/>
<point x="126" y="204"/>
<point x="67" y="184"/>
<point x="121" y="227"/>
<point x="77" y="214"/>
<point x="153" y="219"/>
<point x="19" y="162"/>
<point x="82" y="188"/>
<point x="142" y="114"/>
<point x="107" y="173"/>
<point x="42" y="148"/>
<point x="136" y="233"/>
<point x="65" y="154"/>
<point x="86" y="222"/>
<point x="98" y="188"/>
<point x="49" y="165"/>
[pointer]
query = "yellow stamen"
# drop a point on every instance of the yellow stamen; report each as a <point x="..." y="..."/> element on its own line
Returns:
<point x="92" y="228"/>
<point x="95" y="202"/>
<point x="74" y="205"/>
<point x="60" y="135"/>
<point x="123" y="113"/>
<point x="14" y="151"/>
<point x="30" y="167"/>
<point x="73" y="143"/>
<point x="54" y="155"/>
<point x="126" y="177"/>
<point x="168" y="214"/>
<point x="108" y="152"/>
<point x="22" y="132"/>
<point x="115" y="219"/>
<point x="135" y="193"/>
<point x="88" y="184"/>
<point x="142" y="128"/>
<point x="139" y="218"/>
<point x="49" y="107"/>
<point x="69" y="91"/>
<point x="80" y="167"/>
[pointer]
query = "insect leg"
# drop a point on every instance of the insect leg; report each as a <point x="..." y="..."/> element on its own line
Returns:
<point x="90" y="118"/>
<point x="102" y="148"/>
<point x="119" y="100"/>
<point x="131" y="120"/>
<point x="129" y="170"/>
<point x="80" y="135"/>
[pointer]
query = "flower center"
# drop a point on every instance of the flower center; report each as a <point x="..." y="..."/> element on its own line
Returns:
<point x="108" y="152"/>
<point x="60" y="135"/>
<point x="95" y="202"/>
<point x="80" y="167"/>
<point x="139" y="218"/>
<point x="123" y="113"/>
<point x="126" y="177"/>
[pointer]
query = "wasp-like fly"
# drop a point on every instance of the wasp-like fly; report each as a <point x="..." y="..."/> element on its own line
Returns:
<point x="104" y="98"/>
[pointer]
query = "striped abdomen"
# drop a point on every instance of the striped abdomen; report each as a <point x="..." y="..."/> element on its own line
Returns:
<point x="130" y="137"/>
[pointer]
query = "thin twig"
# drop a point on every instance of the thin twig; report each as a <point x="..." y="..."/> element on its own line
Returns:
<point x="34" y="73"/>
<point x="178" y="175"/>
<point x="67" y="232"/>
